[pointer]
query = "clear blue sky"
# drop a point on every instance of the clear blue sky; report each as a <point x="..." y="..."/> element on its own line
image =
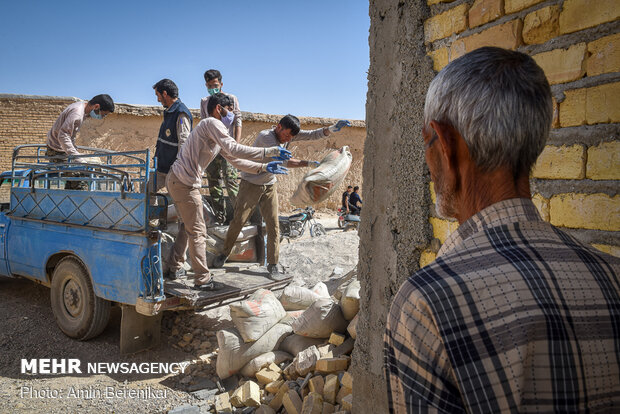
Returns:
<point x="308" y="58"/>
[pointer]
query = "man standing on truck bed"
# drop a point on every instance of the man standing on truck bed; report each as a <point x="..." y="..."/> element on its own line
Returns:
<point x="184" y="180"/>
<point x="61" y="137"/>
<point x="174" y="129"/>
<point x="220" y="170"/>
<point x="259" y="189"/>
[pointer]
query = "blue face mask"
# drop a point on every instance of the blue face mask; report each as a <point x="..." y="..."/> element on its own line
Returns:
<point x="213" y="91"/>
<point x="228" y="119"/>
<point x="95" y="115"/>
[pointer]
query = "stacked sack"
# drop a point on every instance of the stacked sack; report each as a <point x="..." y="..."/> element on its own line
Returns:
<point x="297" y="348"/>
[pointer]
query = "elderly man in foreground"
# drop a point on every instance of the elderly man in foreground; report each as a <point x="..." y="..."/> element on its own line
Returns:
<point x="514" y="315"/>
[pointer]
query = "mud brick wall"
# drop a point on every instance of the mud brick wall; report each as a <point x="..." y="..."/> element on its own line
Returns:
<point x="575" y="182"/>
<point x="27" y="119"/>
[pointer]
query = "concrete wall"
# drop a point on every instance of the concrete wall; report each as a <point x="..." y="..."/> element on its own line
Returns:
<point x="574" y="183"/>
<point x="27" y="119"/>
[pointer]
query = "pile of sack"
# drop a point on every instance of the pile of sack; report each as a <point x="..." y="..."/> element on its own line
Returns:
<point x="297" y="348"/>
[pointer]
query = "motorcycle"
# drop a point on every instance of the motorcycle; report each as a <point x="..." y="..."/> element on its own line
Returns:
<point x="347" y="220"/>
<point x="294" y="226"/>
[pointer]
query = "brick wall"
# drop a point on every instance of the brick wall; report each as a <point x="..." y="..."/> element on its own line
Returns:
<point x="27" y="119"/>
<point x="575" y="181"/>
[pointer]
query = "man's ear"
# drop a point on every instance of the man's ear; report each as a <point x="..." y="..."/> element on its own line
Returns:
<point x="446" y="142"/>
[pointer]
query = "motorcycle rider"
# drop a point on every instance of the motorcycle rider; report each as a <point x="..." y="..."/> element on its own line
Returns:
<point x="345" y="199"/>
<point x="355" y="202"/>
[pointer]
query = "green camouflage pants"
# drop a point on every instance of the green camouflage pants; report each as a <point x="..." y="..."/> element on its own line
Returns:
<point x="221" y="173"/>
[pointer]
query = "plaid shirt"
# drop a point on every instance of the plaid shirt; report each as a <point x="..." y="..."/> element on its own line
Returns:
<point x="513" y="316"/>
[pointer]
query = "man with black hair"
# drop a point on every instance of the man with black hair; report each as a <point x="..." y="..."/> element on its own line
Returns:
<point x="355" y="201"/>
<point x="345" y="198"/>
<point x="219" y="170"/>
<point x="61" y="137"/>
<point x="209" y="138"/>
<point x="174" y="129"/>
<point x="260" y="190"/>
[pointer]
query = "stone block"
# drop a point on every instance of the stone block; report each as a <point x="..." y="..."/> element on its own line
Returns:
<point x="541" y="25"/>
<point x="247" y="395"/>
<point x="582" y="14"/>
<point x="573" y="108"/>
<point x="606" y="248"/>
<point x="330" y="389"/>
<point x="327" y="365"/>
<point x="585" y="211"/>
<point x="542" y="205"/>
<point x="565" y="162"/>
<point x="484" y="11"/>
<point x="507" y="35"/>
<point x="343" y="392"/>
<point x="511" y="6"/>
<point x="265" y="376"/>
<point x="316" y="384"/>
<point x="555" y="122"/>
<point x="347" y="380"/>
<point x="603" y="103"/>
<point x="328" y="408"/>
<point x="306" y="360"/>
<point x="336" y="338"/>
<point x="292" y="402"/>
<point x="352" y="328"/>
<point x="440" y="58"/>
<point x="274" y="386"/>
<point x="563" y="65"/>
<point x="222" y="403"/>
<point x="274" y="367"/>
<point x="347" y="403"/>
<point x="445" y="24"/>
<point x="276" y="403"/>
<point x="604" y="161"/>
<point x="313" y="404"/>
<point x="265" y="409"/>
<point x="603" y="55"/>
<point x="442" y="228"/>
<point x="326" y="351"/>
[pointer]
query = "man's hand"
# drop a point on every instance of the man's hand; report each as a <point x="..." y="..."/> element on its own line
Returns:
<point x="275" y="167"/>
<point x="313" y="164"/>
<point x="278" y="153"/>
<point x="339" y="125"/>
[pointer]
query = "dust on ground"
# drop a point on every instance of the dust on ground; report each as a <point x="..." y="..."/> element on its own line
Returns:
<point x="28" y="330"/>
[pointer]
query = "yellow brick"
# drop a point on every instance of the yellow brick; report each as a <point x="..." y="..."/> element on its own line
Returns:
<point x="313" y="404"/>
<point x="563" y="65"/>
<point x="604" y="161"/>
<point x="266" y="376"/>
<point x="484" y="11"/>
<point x="330" y="389"/>
<point x="328" y="408"/>
<point x="581" y="14"/>
<point x="440" y="58"/>
<point x="222" y="403"/>
<point x="326" y="365"/>
<point x="603" y="103"/>
<point x="446" y="23"/>
<point x="605" y="248"/>
<point x="512" y="6"/>
<point x="555" y="122"/>
<point x="542" y="204"/>
<point x="431" y="2"/>
<point x="427" y="257"/>
<point x="560" y="163"/>
<point x="343" y="392"/>
<point x="316" y="384"/>
<point x="604" y="55"/>
<point x="336" y="338"/>
<point x="573" y="108"/>
<point x="507" y="35"/>
<point x="587" y="211"/>
<point x="347" y="403"/>
<point x="292" y="402"/>
<point x="541" y="25"/>
<point x="442" y="228"/>
<point x="273" y="387"/>
<point x="431" y="188"/>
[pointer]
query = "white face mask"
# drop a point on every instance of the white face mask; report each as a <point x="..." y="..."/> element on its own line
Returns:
<point x="228" y="119"/>
<point x="95" y="115"/>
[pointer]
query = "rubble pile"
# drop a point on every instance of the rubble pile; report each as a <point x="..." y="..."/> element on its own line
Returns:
<point x="292" y="353"/>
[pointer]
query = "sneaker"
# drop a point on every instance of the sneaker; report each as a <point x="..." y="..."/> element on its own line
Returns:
<point x="174" y="275"/>
<point x="219" y="261"/>
<point x="274" y="273"/>
<point x="209" y="284"/>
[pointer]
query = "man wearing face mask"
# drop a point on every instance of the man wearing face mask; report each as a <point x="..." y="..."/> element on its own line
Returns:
<point x="209" y="138"/>
<point x="260" y="190"/>
<point x="219" y="170"/>
<point x="61" y="137"/>
<point x="174" y="130"/>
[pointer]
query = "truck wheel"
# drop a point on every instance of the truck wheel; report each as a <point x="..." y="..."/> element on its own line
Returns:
<point x="78" y="312"/>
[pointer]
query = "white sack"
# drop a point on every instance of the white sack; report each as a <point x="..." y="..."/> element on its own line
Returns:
<point x="350" y="300"/>
<point x="294" y="344"/>
<point x="256" y="364"/>
<point x="321" y="319"/>
<point x="256" y="315"/>
<point x="245" y="233"/>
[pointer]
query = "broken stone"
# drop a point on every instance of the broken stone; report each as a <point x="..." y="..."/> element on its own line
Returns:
<point x="313" y="404"/>
<point x="347" y="380"/>
<point x="343" y="392"/>
<point x="316" y="384"/>
<point x="202" y="384"/>
<point x="336" y="338"/>
<point x="264" y="409"/>
<point x="274" y="386"/>
<point x="327" y="365"/>
<point x="276" y="403"/>
<point x="188" y="337"/>
<point x="265" y="376"/>
<point x="330" y="389"/>
<point x="347" y="402"/>
<point x="328" y="408"/>
<point x="207" y="395"/>
<point x="222" y="403"/>
<point x="185" y="409"/>
<point x="306" y="360"/>
<point x="274" y="367"/>
<point x="292" y="403"/>
<point x="247" y="395"/>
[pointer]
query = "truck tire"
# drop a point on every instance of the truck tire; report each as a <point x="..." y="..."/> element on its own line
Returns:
<point x="78" y="312"/>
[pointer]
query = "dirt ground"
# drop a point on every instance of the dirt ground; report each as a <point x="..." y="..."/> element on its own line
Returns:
<point x="28" y="330"/>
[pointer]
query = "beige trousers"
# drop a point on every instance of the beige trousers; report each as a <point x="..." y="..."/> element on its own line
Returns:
<point x="266" y="197"/>
<point x="188" y="203"/>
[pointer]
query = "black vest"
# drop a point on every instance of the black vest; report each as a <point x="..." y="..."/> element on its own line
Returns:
<point x="168" y="141"/>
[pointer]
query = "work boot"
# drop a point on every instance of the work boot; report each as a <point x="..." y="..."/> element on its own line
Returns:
<point x="205" y="283"/>
<point x="175" y="274"/>
<point x="219" y="261"/>
<point x="274" y="273"/>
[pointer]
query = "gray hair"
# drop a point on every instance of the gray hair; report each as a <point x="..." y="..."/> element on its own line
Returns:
<point x="499" y="101"/>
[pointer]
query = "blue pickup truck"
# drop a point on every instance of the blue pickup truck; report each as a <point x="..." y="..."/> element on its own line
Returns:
<point x="100" y="246"/>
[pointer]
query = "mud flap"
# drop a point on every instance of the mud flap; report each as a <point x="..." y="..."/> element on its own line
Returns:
<point x="139" y="332"/>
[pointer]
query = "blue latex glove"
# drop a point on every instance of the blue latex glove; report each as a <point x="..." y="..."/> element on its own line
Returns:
<point x="339" y="125"/>
<point x="275" y="167"/>
<point x="284" y="155"/>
